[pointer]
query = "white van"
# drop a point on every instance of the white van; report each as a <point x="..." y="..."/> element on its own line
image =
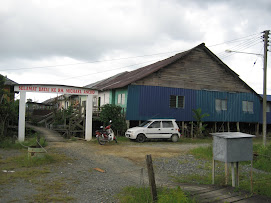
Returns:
<point x="155" y="129"/>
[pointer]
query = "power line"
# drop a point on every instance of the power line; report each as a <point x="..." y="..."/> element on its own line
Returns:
<point x="226" y="56"/>
<point x="103" y="71"/>
<point x="147" y="55"/>
<point x="243" y="44"/>
<point x="241" y="38"/>
<point x="98" y="61"/>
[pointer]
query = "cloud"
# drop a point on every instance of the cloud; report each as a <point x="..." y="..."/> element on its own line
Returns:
<point x="54" y="32"/>
<point x="83" y="30"/>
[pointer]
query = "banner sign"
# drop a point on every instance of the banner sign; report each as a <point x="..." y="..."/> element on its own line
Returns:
<point x="55" y="89"/>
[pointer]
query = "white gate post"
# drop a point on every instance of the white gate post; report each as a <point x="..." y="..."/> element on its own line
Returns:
<point x="21" y="132"/>
<point x="88" y="132"/>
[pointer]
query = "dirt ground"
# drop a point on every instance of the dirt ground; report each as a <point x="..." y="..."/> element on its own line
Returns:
<point x="75" y="179"/>
<point x="137" y="152"/>
<point x="90" y="172"/>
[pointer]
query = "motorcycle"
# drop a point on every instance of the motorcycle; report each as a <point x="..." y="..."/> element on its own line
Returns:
<point x="106" y="135"/>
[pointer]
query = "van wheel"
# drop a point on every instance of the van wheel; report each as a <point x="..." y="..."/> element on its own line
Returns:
<point x="141" y="138"/>
<point x="174" y="138"/>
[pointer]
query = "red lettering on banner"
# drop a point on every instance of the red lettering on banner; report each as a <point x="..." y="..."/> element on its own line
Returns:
<point x="28" y="88"/>
<point x="73" y="91"/>
<point x="89" y="92"/>
<point x="60" y="90"/>
<point x="43" y="89"/>
<point x="57" y="90"/>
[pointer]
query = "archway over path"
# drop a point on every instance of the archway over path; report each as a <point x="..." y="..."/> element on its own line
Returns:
<point x="58" y="89"/>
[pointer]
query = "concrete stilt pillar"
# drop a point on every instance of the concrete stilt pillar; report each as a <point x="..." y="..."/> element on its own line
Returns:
<point x="88" y="132"/>
<point x="21" y="131"/>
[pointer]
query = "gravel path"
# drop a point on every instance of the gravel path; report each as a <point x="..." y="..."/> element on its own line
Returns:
<point x="75" y="178"/>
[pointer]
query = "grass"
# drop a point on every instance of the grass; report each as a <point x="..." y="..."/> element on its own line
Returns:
<point x="263" y="160"/>
<point x="196" y="141"/>
<point x="30" y="140"/>
<point x="26" y="168"/>
<point x="205" y="153"/>
<point x="33" y="170"/>
<point x="52" y="192"/>
<point x="143" y="195"/>
<point x="124" y="140"/>
<point x="261" y="180"/>
<point x="9" y="177"/>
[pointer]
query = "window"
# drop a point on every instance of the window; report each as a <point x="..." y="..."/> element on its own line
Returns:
<point x="84" y="104"/>
<point x="268" y="107"/>
<point x="167" y="124"/>
<point x="121" y="99"/>
<point x="176" y="101"/>
<point x="95" y="102"/>
<point x="247" y="106"/>
<point x="221" y="105"/>
<point x="155" y="124"/>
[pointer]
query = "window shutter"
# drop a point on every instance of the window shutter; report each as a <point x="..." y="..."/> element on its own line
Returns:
<point x="218" y="105"/>
<point x="250" y="107"/>
<point x="224" y="105"/>
<point x="180" y="101"/>
<point x="123" y="99"/>
<point x="172" y="101"/>
<point x="119" y="98"/>
<point x="244" y="104"/>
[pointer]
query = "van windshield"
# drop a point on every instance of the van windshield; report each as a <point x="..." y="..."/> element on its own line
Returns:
<point x="145" y="124"/>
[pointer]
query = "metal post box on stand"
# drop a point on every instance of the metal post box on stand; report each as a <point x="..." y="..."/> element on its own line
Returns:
<point x="232" y="147"/>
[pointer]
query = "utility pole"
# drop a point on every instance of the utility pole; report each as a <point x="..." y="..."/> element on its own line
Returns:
<point x="266" y="33"/>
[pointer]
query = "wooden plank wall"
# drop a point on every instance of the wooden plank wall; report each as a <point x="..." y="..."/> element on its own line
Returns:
<point x="198" y="71"/>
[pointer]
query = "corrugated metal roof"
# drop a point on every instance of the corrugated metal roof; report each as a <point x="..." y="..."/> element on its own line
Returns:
<point x="9" y="81"/>
<point x="268" y="97"/>
<point x="104" y="82"/>
<point x="126" y="78"/>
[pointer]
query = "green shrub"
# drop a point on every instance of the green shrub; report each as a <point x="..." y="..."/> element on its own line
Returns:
<point x="143" y="194"/>
<point x="203" y="152"/>
<point x="263" y="160"/>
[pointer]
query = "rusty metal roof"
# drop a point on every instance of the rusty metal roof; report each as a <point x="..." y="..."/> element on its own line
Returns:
<point x="9" y="82"/>
<point x="126" y="78"/>
<point x="123" y="79"/>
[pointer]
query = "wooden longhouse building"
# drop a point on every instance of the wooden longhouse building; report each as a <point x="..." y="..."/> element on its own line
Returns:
<point x="173" y="87"/>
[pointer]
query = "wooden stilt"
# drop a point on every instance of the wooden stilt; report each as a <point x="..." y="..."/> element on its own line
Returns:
<point x="232" y="175"/>
<point x="238" y="127"/>
<point x="226" y="173"/>
<point x="237" y="174"/>
<point x="251" y="181"/>
<point x="228" y="124"/>
<point x="213" y="172"/>
<point x="257" y="129"/>
<point x="192" y="129"/>
<point x="182" y="128"/>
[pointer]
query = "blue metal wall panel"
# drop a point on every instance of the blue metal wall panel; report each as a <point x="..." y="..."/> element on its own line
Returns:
<point x="132" y="108"/>
<point x="268" y="115"/>
<point x="234" y="113"/>
<point x="146" y="102"/>
<point x="268" y="118"/>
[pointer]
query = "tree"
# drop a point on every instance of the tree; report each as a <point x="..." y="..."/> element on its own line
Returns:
<point x="199" y="126"/>
<point x="8" y="110"/>
<point x="113" y="112"/>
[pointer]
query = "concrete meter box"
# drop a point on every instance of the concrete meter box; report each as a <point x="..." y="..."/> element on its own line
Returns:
<point x="232" y="147"/>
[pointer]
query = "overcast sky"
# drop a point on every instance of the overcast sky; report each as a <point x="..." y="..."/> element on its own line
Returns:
<point x="80" y="42"/>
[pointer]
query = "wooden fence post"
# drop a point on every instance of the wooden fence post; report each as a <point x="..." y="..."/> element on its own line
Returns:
<point x="151" y="178"/>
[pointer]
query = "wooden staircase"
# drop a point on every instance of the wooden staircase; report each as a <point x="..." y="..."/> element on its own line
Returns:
<point x="74" y="125"/>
